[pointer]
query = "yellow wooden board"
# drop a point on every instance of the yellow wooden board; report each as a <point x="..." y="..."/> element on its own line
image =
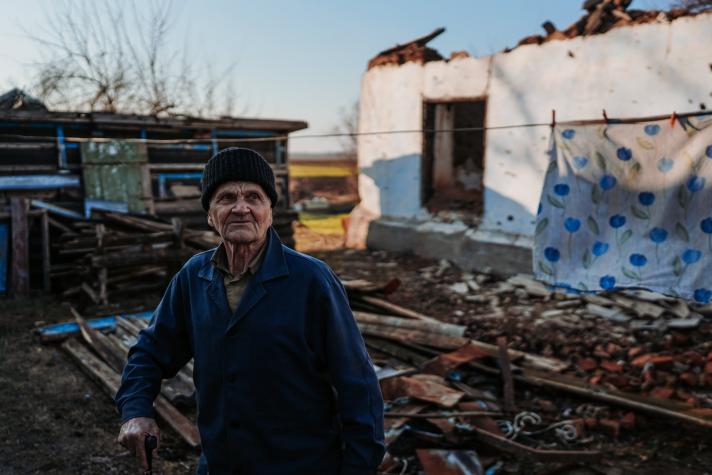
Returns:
<point x="311" y="170"/>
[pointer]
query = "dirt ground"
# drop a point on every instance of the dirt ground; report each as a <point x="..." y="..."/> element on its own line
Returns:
<point x="54" y="420"/>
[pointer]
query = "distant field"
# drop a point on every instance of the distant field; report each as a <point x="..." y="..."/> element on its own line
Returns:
<point x="323" y="223"/>
<point x="298" y="170"/>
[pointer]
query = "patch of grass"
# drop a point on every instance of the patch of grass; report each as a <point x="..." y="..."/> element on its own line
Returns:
<point x="323" y="223"/>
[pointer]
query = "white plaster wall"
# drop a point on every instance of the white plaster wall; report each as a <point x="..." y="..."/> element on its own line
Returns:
<point x="634" y="71"/>
<point x="389" y="164"/>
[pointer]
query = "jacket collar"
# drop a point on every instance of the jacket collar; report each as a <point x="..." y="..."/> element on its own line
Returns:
<point x="273" y="265"/>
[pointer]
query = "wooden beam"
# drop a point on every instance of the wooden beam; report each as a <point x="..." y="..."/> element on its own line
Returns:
<point x="506" y="372"/>
<point x="20" y="251"/>
<point x="111" y="380"/>
<point x="410" y="324"/>
<point x="46" y="265"/>
<point x="395" y="309"/>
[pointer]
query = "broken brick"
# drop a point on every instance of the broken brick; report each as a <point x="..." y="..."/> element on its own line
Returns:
<point x="693" y="358"/>
<point x="690" y="379"/>
<point x="656" y="360"/>
<point x="635" y="351"/>
<point x="595" y="379"/>
<point x="613" y="426"/>
<point x="628" y="420"/>
<point x="708" y="368"/>
<point x="662" y="393"/>
<point x="642" y="360"/>
<point x="611" y="366"/>
<point x="587" y="364"/>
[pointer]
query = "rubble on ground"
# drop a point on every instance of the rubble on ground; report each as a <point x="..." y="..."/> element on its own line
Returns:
<point x="514" y="378"/>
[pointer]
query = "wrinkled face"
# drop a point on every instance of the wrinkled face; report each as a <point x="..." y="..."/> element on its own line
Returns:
<point x="240" y="212"/>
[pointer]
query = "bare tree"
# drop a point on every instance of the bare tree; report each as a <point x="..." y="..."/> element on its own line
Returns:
<point x="348" y="124"/>
<point x="114" y="56"/>
<point x="693" y="5"/>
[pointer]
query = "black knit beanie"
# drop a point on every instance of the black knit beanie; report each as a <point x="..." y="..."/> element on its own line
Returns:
<point x="236" y="164"/>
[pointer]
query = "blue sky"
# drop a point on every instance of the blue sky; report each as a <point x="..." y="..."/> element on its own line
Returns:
<point x="304" y="59"/>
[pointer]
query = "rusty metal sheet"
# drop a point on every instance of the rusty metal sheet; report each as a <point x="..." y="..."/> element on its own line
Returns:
<point x="450" y="462"/>
<point x="424" y="387"/>
<point x="446" y="362"/>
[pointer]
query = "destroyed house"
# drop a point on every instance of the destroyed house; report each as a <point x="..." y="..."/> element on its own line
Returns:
<point x="467" y="186"/>
<point x="68" y="164"/>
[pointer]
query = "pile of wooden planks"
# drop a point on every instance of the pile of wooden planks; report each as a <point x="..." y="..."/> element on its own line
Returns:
<point x="113" y="254"/>
<point x="102" y="357"/>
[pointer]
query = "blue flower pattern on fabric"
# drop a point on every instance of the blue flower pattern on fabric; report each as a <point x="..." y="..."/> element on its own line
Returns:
<point x="607" y="282"/>
<point x="706" y="225"/>
<point x="562" y="189"/>
<point x="599" y="248"/>
<point x="646" y="198"/>
<point x="607" y="182"/>
<point x="690" y="256"/>
<point x="652" y="129"/>
<point x="703" y="296"/>
<point x="658" y="235"/>
<point x="665" y="165"/>
<point x="617" y="221"/>
<point x="695" y="183"/>
<point x="572" y="225"/>
<point x="552" y="254"/>
<point x="568" y="134"/>
<point x="580" y="162"/>
<point x="638" y="260"/>
<point x="624" y="154"/>
<point x="651" y="191"/>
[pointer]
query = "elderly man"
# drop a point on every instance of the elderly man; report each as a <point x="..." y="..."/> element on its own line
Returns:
<point x="283" y="381"/>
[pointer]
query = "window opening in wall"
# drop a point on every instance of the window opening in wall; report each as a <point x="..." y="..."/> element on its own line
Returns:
<point x="453" y="161"/>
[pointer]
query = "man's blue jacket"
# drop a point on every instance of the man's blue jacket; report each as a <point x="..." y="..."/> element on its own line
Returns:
<point x="284" y="384"/>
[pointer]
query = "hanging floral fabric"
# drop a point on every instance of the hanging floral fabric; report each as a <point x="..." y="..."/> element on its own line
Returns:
<point x="629" y="205"/>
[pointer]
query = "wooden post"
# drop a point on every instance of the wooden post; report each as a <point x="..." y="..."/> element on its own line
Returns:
<point x="103" y="272"/>
<point x="20" y="251"/>
<point x="506" y="369"/>
<point x="444" y="147"/>
<point x="46" y="268"/>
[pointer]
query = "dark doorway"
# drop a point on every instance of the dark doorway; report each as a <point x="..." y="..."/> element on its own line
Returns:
<point x="453" y="159"/>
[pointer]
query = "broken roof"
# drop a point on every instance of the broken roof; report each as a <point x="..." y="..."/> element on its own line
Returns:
<point x="604" y="15"/>
<point x="17" y="99"/>
<point x="135" y="120"/>
<point x="414" y="50"/>
<point x="601" y="16"/>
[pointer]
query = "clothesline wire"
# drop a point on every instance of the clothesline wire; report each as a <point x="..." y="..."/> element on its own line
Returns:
<point x="356" y="134"/>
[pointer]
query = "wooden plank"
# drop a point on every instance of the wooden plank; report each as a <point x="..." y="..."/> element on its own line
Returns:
<point x="178" y="389"/>
<point x="561" y="456"/>
<point x="110" y="381"/>
<point x="146" y="188"/>
<point x="46" y="265"/>
<point x="60" y="331"/>
<point x="4" y="255"/>
<point x="409" y="323"/>
<point x="20" y="252"/>
<point x="111" y="355"/>
<point x="38" y="182"/>
<point x="395" y="309"/>
<point x="445" y="342"/>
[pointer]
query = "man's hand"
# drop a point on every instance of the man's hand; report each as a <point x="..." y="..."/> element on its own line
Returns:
<point x="133" y="434"/>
